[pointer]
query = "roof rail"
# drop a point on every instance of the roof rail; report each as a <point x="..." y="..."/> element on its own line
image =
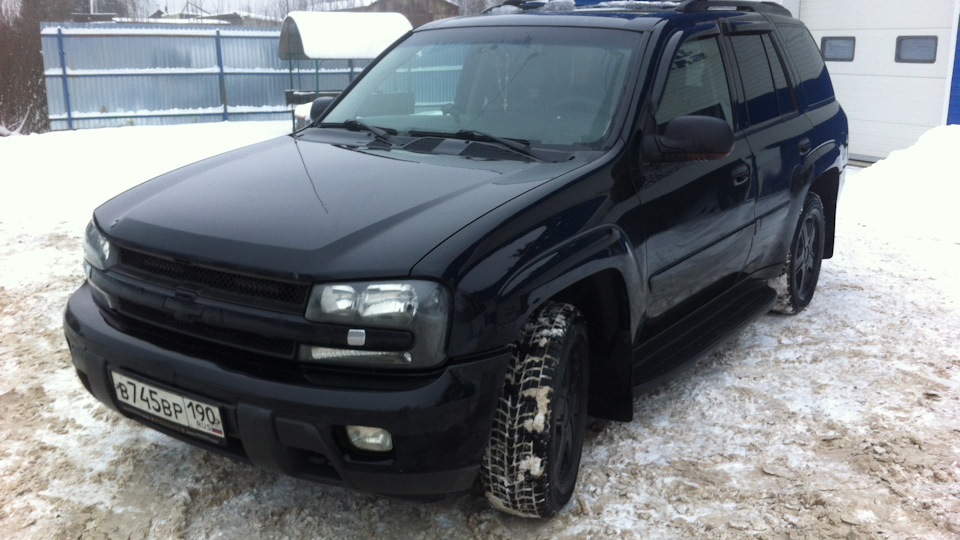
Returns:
<point x="661" y="5"/>
<point x="745" y="5"/>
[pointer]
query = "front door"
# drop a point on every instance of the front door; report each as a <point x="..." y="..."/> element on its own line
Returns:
<point x="699" y="216"/>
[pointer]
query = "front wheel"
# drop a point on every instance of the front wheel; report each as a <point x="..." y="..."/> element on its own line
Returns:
<point x="531" y="463"/>
<point x="798" y="280"/>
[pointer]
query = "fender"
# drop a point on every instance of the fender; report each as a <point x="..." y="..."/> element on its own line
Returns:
<point x="588" y="254"/>
<point x="570" y="239"/>
<point x="491" y="318"/>
<point x="597" y="270"/>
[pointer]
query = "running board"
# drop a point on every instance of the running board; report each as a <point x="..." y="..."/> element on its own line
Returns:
<point x="660" y="358"/>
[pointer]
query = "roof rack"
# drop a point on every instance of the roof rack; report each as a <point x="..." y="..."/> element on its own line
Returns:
<point x="663" y="5"/>
<point x="744" y="5"/>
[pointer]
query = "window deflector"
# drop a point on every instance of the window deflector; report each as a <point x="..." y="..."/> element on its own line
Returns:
<point x="673" y="45"/>
<point x="713" y="82"/>
<point x="747" y="27"/>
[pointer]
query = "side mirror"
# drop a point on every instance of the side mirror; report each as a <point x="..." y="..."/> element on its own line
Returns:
<point x="320" y="106"/>
<point x="690" y="138"/>
<point x="305" y="113"/>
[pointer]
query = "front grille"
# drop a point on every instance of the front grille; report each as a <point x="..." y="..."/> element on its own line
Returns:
<point x="256" y="291"/>
<point x="248" y="341"/>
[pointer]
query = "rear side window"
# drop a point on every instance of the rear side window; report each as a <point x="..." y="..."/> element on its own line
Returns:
<point x="764" y="81"/>
<point x="696" y="84"/>
<point x="785" y="98"/>
<point x="814" y="79"/>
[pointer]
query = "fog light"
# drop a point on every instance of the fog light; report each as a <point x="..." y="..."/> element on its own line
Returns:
<point x="354" y="357"/>
<point x="370" y="438"/>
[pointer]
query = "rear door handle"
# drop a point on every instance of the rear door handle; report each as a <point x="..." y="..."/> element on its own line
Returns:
<point x="804" y="146"/>
<point x="741" y="174"/>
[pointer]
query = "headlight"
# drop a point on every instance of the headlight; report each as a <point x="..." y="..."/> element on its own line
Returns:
<point x="398" y="323"/>
<point x="393" y="302"/>
<point x="97" y="249"/>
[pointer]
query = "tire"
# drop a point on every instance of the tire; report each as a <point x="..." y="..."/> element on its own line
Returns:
<point x="798" y="280"/>
<point x="531" y="462"/>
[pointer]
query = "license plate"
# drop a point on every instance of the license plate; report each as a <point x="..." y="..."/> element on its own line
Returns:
<point x="175" y="408"/>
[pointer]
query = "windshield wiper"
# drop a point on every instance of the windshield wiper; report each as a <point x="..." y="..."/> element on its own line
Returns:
<point x="515" y="145"/>
<point x="358" y="125"/>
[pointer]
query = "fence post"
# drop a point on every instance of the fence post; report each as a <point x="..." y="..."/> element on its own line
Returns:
<point x="63" y="71"/>
<point x="223" y="82"/>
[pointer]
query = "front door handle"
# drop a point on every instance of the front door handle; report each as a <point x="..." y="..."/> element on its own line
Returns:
<point x="804" y="146"/>
<point x="741" y="174"/>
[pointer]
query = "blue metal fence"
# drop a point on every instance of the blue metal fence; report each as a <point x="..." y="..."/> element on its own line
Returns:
<point x="126" y="74"/>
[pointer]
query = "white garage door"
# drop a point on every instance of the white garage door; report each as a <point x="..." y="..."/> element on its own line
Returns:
<point x="891" y="64"/>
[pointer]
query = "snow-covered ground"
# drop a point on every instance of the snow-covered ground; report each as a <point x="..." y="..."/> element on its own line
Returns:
<point x="841" y="422"/>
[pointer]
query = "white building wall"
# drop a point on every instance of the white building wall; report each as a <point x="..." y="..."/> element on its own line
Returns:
<point x="889" y="104"/>
<point x="792" y="5"/>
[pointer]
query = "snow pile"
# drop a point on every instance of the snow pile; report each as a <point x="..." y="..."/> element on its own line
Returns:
<point x="58" y="178"/>
<point x="339" y="35"/>
<point x="7" y="132"/>
<point x="911" y="199"/>
<point x="559" y="5"/>
<point x="840" y="422"/>
<point x="52" y="182"/>
<point x="505" y="10"/>
<point x="914" y="192"/>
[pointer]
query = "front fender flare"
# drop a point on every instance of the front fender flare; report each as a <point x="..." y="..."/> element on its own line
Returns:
<point x="588" y="254"/>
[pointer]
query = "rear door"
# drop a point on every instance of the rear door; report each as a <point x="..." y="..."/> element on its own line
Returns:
<point x="777" y="133"/>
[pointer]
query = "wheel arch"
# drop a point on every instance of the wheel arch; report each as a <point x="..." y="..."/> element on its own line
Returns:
<point x="598" y="273"/>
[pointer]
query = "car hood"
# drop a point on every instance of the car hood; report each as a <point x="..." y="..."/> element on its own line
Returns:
<point x="313" y="209"/>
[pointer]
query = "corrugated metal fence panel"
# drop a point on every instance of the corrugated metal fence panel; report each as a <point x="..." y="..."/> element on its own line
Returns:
<point x="102" y="122"/>
<point x="437" y="76"/>
<point x="268" y="89"/>
<point x="132" y="93"/>
<point x="56" y="106"/>
<point x="251" y="52"/>
<point x="144" y="75"/>
<point x="51" y="53"/>
<point x="104" y="52"/>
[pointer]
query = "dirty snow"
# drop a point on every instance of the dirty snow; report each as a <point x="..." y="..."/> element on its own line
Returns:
<point x="841" y="422"/>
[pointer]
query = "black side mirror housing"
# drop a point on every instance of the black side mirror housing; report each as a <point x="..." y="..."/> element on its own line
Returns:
<point x="320" y="106"/>
<point x="690" y="138"/>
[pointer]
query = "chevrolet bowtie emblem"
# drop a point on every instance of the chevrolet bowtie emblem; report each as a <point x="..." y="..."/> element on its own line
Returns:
<point x="183" y="308"/>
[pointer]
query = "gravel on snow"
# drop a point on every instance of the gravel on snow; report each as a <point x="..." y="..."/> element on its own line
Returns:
<point x="841" y="422"/>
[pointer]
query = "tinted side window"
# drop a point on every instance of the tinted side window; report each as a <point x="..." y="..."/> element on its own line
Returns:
<point x="757" y="79"/>
<point x="814" y="80"/>
<point x="696" y="83"/>
<point x="784" y="93"/>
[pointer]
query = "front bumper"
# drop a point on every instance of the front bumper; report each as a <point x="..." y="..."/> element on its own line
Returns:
<point x="439" y="422"/>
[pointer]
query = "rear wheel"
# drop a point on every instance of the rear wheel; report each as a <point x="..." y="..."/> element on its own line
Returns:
<point x="798" y="280"/>
<point x="531" y="463"/>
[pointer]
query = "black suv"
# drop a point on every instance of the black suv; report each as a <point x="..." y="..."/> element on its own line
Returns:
<point x="508" y="222"/>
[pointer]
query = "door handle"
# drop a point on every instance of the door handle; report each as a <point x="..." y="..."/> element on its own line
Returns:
<point x="804" y="146"/>
<point x="741" y="174"/>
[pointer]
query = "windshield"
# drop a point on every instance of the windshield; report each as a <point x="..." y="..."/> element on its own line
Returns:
<point x="546" y="86"/>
